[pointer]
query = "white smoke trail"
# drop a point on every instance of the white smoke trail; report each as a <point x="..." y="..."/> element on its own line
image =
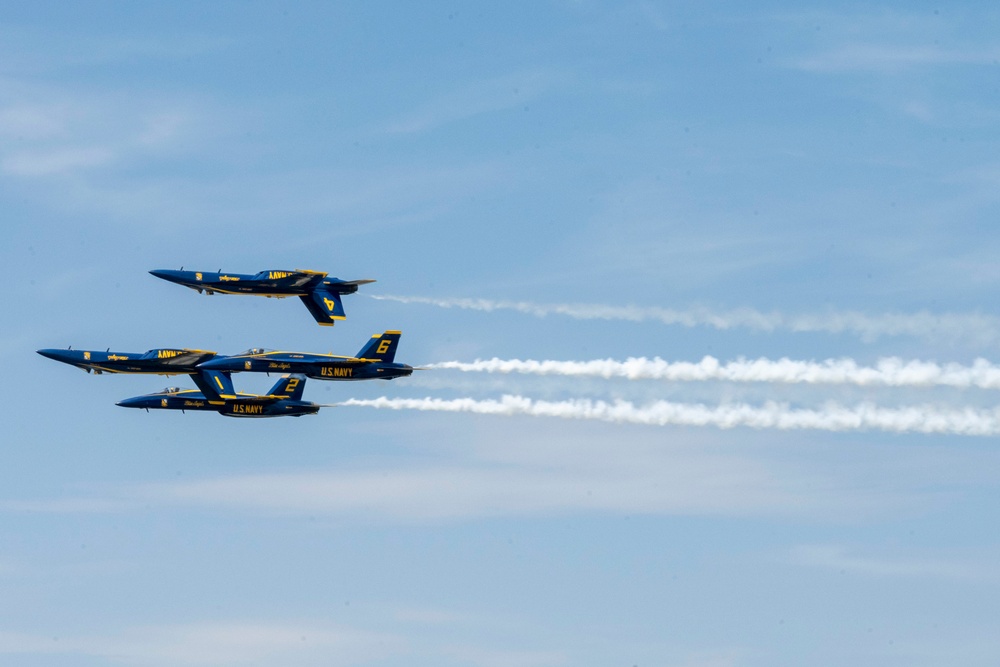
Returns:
<point x="981" y="329"/>
<point x="832" y="417"/>
<point x="887" y="372"/>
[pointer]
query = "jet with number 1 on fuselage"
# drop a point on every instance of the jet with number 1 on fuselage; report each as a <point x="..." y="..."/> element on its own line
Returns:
<point x="321" y="295"/>
<point x="216" y="395"/>
<point x="375" y="361"/>
<point x="162" y="361"/>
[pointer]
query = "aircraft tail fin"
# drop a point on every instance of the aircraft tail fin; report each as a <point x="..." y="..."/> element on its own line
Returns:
<point x="215" y="385"/>
<point x="381" y="347"/>
<point x="290" y="386"/>
<point x="325" y="306"/>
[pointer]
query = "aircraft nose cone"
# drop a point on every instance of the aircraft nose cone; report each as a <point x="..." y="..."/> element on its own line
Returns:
<point x="128" y="403"/>
<point x="214" y="365"/>
<point x="167" y="274"/>
<point x="58" y="355"/>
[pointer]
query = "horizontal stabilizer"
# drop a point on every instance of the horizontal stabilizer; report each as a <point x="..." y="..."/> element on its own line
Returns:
<point x="345" y="286"/>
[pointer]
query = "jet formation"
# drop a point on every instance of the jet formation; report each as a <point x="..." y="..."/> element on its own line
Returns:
<point x="212" y="372"/>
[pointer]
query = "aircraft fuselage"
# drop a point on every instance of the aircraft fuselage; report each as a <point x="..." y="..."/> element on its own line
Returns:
<point x="244" y="405"/>
<point x="167" y="361"/>
<point x="317" y="366"/>
<point x="266" y="283"/>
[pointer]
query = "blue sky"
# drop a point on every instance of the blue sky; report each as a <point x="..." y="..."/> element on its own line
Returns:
<point x="568" y="181"/>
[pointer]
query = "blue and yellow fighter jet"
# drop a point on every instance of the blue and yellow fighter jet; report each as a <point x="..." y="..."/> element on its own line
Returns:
<point x="374" y="361"/>
<point x="217" y="394"/>
<point x="163" y="361"/>
<point x="321" y="295"/>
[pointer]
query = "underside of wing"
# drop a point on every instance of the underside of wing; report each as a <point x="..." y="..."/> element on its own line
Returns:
<point x="306" y="278"/>
<point x="185" y="358"/>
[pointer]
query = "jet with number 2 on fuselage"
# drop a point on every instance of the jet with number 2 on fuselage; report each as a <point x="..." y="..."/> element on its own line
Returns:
<point x="216" y="395"/>
<point x="163" y="361"/>
<point x="321" y="295"/>
<point x="375" y="361"/>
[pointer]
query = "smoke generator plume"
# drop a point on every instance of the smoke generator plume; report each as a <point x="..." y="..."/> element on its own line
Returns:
<point x="887" y="372"/>
<point x="832" y="417"/>
<point x="981" y="329"/>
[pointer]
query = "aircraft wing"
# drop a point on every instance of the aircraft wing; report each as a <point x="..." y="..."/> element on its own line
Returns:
<point x="186" y="358"/>
<point x="306" y="279"/>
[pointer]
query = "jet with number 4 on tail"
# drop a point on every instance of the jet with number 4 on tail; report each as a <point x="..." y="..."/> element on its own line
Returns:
<point x="375" y="361"/>
<point x="321" y="295"/>
<point x="164" y="361"/>
<point x="216" y="394"/>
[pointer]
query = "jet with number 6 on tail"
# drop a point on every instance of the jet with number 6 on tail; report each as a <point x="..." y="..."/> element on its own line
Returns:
<point x="321" y="295"/>
<point x="375" y="361"/>
<point x="284" y="399"/>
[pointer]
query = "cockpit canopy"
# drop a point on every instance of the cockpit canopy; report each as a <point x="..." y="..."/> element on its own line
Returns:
<point x="172" y="390"/>
<point x="252" y="351"/>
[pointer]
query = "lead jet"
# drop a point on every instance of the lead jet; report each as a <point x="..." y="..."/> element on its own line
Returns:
<point x="217" y="386"/>
<point x="284" y="399"/>
<point x="373" y="361"/>
<point x="321" y="295"/>
<point x="163" y="361"/>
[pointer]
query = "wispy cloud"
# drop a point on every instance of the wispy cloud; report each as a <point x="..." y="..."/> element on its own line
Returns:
<point x="214" y="643"/>
<point x="475" y="655"/>
<point x="888" y="58"/>
<point x="836" y="557"/>
<point x="541" y="469"/>
<point x="883" y="40"/>
<point x="654" y="485"/>
<point x="57" y="161"/>
<point x="499" y="94"/>
<point x="61" y="134"/>
<point x="78" y="505"/>
<point x="65" y="50"/>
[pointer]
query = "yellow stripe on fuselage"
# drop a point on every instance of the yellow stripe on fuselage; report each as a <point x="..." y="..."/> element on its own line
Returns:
<point x="116" y="370"/>
<point x="266" y="355"/>
<point x="245" y="293"/>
